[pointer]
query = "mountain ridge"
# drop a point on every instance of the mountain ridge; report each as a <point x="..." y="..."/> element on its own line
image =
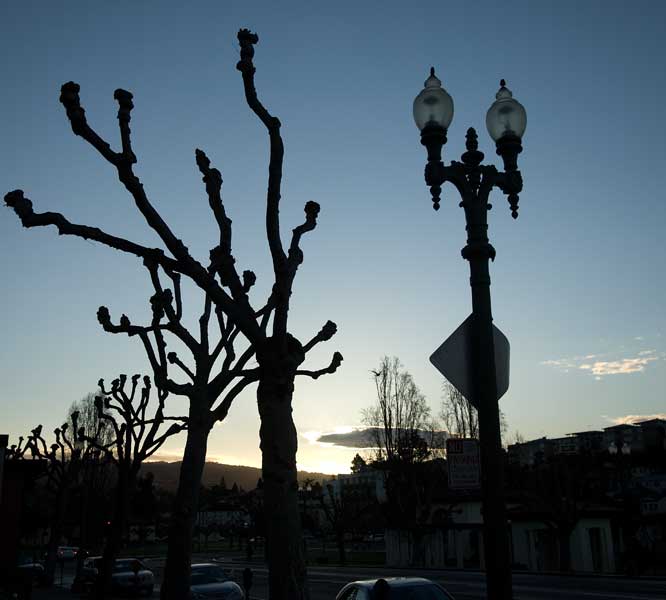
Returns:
<point x="166" y="474"/>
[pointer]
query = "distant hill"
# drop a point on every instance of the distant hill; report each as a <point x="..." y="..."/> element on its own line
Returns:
<point x="166" y="474"/>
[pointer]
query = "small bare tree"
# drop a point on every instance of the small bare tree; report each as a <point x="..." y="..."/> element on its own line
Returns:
<point x="95" y="471"/>
<point x="137" y="435"/>
<point x="400" y="421"/>
<point x="89" y="420"/>
<point x="63" y="462"/>
<point x="404" y="435"/>
<point x="279" y="354"/>
<point x="459" y="417"/>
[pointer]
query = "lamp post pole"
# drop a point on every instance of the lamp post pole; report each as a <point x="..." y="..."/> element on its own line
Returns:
<point x="433" y="111"/>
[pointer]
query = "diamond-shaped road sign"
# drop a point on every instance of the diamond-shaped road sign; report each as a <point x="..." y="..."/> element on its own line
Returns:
<point x="453" y="360"/>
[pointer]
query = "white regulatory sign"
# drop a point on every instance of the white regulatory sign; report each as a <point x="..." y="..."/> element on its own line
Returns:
<point x="462" y="456"/>
<point x="452" y="359"/>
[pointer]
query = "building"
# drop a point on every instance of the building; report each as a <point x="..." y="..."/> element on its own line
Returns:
<point x="456" y="541"/>
<point x="367" y="484"/>
<point x="624" y="436"/>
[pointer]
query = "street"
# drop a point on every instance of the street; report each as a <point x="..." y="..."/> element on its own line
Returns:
<point x="325" y="582"/>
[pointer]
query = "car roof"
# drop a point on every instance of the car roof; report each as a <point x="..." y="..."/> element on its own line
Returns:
<point x="396" y="581"/>
<point x="115" y="559"/>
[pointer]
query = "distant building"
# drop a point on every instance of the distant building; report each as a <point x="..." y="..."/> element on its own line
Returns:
<point x="653" y="506"/>
<point x="624" y="436"/>
<point x="223" y="515"/>
<point x="368" y="484"/>
<point x="588" y="442"/>
<point x="529" y="453"/>
<point x="654" y="434"/>
<point x="565" y="445"/>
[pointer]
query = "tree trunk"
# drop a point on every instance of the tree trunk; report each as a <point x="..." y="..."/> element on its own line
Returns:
<point x="564" y="537"/>
<point x="176" y="584"/>
<point x="341" y="548"/>
<point x="57" y="528"/>
<point x="284" y="547"/>
<point x="83" y="535"/>
<point x="126" y="479"/>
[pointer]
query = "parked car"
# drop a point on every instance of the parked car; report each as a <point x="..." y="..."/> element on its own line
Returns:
<point x="67" y="552"/>
<point x="208" y="581"/>
<point x="129" y="575"/>
<point x="34" y="570"/>
<point x="399" y="588"/>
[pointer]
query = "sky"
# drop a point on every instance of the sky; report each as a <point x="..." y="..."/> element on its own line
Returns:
<point x="579" y="282"/>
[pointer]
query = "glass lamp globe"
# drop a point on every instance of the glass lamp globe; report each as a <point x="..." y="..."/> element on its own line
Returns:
<point x="433" y="105"/>
<point x="506" y="116"/>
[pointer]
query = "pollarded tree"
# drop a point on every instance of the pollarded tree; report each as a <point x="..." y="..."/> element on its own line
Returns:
<point x="94" y="477"/>
<point x="279" y="354"/>
<point x="137" y="435"/>
<point x="63" y="462"/>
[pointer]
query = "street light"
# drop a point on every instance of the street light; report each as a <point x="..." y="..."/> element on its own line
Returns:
<point x="506" y="121"/>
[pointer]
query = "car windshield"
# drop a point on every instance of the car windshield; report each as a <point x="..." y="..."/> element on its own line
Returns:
<point x="205" y="575"/>
<point x="122" y="566"/>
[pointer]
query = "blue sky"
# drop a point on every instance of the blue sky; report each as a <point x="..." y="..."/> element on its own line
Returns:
<point x="579" y="281"/>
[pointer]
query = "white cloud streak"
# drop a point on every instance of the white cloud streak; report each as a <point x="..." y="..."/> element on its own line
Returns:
<point x="628" y="419"/>
<point x="602" y="368"/>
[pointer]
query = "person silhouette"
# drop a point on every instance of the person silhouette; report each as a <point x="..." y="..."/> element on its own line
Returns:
<point x="381" y="590"/>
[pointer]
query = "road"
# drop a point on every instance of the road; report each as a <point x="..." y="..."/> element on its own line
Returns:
<point x="325" y="582"/>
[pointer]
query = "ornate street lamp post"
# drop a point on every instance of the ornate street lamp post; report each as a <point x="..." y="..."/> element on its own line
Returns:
<point x="506" y="121"/>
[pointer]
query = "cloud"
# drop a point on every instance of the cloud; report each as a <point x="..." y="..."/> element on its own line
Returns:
<point x="362" y="437"/>
<point x="619" y="367"/>
<point x="601" y="368"/>
<point x="357" y="438"/>
<point x="628" y="419"/>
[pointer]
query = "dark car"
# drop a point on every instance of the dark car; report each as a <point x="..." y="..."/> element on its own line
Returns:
<point x="129" y="575"/>
<point x="209" y="580"/>
<point x="34" y="571"/>
<point x="397" y="588"/>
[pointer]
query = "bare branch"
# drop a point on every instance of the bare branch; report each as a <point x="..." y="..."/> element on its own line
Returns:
<point x="336" y="361"/>
<point x="172" y="357"/>
<point x="125" y="106"/>
<point x="164" y="299"/>
<point x="247" y="40"/>
<point x="69" y="97"/>
<point x="123" y="162"/>
<point x="325" y="333"/>
<point x="221" y="411"/>
<point x="213" y="180"/>
<point x="22" y="206"/>
<point x="295" y="252"/>
<point x="204" y="320"/>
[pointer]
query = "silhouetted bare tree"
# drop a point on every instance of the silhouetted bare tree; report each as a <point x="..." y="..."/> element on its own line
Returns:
<point x="404" y="437"/>
<point x="94" y="475"/>
<point x="278" y="353"/>
<point x="400" y="421"/>
<point x="459" y="417"/>
<point x="63" y="461"/>
<point x="137" y="435"/>
<point x="89" y="419"/>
